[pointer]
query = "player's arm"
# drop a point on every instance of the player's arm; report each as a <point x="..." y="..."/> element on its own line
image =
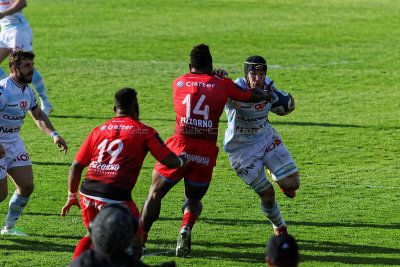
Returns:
<point x="17" y="6"/>
<point x="2" y="151"/>
<point x="163" y="154"/>
<point x="44" y="124"/>
<point x="74" y="178"/>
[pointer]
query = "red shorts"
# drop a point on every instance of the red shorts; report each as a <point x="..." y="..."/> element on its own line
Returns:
<point x="202" y="156"/>
<point x="91" y="207"/>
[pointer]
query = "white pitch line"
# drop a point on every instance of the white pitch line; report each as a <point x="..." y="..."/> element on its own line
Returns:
<point x="356" y="186"/>
<point x="185" y="63"/>
<point x="157" y="253"/>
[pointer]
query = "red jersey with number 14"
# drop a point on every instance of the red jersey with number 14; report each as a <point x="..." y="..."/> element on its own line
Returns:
<point x="114" y="153"/>
<point x="199" y="101"/>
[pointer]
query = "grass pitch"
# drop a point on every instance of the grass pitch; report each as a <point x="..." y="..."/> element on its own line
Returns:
<point x="339" y="59"/>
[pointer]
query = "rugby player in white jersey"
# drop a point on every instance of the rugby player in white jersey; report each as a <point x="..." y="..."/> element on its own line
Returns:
<point x="252" y="143"/>
<point x="17" y="34"/>
<point x="16" y="99"/>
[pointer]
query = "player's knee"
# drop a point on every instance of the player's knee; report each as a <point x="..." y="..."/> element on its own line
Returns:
<point x="27" y="190"/>
<point x="291" y="182"/>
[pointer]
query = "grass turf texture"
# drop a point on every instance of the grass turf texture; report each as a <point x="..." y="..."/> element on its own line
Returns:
<point x="340" y="61"/>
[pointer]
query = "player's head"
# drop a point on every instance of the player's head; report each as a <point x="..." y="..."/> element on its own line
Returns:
<point x="282" y="250"/>
<point x="126" y="102"/>
<point x="113" y="229"/>
<point x="21" y="65"/>
<point x="201" y="59"/>
<point x="255" y="70"/>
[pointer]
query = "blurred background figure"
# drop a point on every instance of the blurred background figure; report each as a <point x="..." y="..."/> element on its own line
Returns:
<point x="282" y="251"/>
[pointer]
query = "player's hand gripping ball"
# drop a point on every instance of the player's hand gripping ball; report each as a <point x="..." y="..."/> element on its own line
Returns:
<point x="281" y="102"/>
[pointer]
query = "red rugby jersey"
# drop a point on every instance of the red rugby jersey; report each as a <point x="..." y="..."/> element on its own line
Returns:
<point x="199" y="101"/>
<point x="114" y="153"/>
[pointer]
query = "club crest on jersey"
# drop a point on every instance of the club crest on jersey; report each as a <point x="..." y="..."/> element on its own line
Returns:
<point x="180" y="84"/>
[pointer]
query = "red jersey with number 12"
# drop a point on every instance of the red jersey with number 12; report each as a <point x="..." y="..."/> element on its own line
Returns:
<point x="114" y="153"/>
<point x="199" y="101"/>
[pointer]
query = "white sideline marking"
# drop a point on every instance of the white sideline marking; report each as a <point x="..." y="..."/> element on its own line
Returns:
<point x="357" y="186"/>
<point x="157" y="253"/>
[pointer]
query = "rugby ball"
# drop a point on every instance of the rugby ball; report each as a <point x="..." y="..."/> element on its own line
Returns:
<point x="281" y="102"/>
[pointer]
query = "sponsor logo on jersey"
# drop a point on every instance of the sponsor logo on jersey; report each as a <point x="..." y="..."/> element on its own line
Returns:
<point x="12" y="105"/>
<point x="23" y="104"/>
<point x="103" y="128"/>
<point x="104" y="167"/>
<point x="5" y="3"/>
<point x="200" y="84"/>
<point x="9" y="130"/>
<point x="13" y="118"/>
<point x="248" y="130"/>
<point x="197" y="158"/>
<point x="180" y="84"/>
<point x="196" y="122"/>
<point x="247" y="119"/>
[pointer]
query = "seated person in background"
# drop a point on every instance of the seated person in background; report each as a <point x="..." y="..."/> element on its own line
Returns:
<point x="112" y="232"/>
<point x="282" y="251"/>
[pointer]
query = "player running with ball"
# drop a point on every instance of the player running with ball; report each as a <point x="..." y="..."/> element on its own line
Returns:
<point x="252" y="143"/>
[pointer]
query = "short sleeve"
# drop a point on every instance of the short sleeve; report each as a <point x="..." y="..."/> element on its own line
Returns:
<point x="84" y="155"/>
<point x="156" y="146"/>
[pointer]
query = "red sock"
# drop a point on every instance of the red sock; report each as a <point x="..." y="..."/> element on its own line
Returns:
<point x="145" y="235"/>
<point x="189" y="218"/>
<point x="83" y="245"/>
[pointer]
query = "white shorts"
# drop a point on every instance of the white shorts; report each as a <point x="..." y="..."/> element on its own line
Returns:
<point x="270" y="152"/>
<point x="17" y="39"/>
<point x="16" y="156"/>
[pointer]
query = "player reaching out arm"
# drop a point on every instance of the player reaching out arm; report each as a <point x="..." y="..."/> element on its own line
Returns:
<point x="16" y="99"/>
<point x="199" y="98"/>
<point x="114" y="154"/>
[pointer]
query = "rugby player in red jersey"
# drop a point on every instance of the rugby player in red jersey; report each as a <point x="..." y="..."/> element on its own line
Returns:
<point x="199" y="99"/>
<point x="114" y="153"/>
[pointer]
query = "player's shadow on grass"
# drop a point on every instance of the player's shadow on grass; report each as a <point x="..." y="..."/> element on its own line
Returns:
<point x="343" y="248"/>
<point x="28" y="245"/>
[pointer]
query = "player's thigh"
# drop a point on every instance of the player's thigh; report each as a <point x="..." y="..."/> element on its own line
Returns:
<point x="160" y="185"/>
<point x="194" y="191"/>
<point x="279" y="161"/>
<point x="22" y="176"/>
<point x="23" y="40"/>
<point x="3" y="188"/>
<point x="291" y="181"/>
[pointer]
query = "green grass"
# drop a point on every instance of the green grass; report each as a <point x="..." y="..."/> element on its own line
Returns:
<point x="339" y="59"/>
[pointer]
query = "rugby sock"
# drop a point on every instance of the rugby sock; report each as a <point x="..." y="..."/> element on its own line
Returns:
<point x="3" y="74"/>
<point x="17" y="205"/>
<point x="82" y="246"/>
<point x="189" y="219"/>
<point x="37" y="82"/>
<point x="274" y="215"/>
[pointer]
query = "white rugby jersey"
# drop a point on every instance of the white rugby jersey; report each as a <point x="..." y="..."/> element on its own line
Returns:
<point x="247" y="122"/>
<point x="15" y="101"/>
<point x="13" y="21"/>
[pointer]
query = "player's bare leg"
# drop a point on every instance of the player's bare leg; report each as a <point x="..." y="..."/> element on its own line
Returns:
<point x="191" y="211"/>
<point x="23" y="179"/>
<point x="3" y="189"/>
<point x="4" y="53"/>
<point x="271" y="209"/>
<point x="152" y="206"/>
<point x="289" y="184"/>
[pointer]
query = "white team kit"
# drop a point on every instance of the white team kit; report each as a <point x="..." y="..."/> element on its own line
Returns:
<point x="252" y="143"/>
<point x="15" y="102"/>
<point x="15" y="32"/>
